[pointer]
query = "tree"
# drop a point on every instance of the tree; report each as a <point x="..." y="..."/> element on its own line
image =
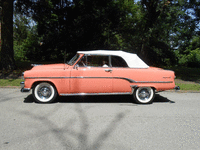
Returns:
<point x="7" y="54"/>
<point x="26" y="40"/>
<point x="158" y="29"/>
<point x="154" y="29"/>
<point x="73" y="25"/>
<point x="186" y="34"/>
<point x="191" y="56"/>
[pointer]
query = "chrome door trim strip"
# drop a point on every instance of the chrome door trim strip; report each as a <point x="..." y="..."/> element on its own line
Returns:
<point x="127" y="79"/>
<point x="93" y="94"/>
<point x="154" y="82"/>
<point x="46" y="77"/>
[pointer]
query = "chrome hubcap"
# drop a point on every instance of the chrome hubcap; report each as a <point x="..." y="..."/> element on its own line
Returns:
<point x="144" y="94"/>
<point x="44" y="92"/>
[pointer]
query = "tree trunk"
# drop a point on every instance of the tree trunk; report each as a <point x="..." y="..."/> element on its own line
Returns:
<point x="7" y="53"/>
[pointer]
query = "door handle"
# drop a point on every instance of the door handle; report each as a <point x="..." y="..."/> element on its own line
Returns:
<point x="108" y="70"/>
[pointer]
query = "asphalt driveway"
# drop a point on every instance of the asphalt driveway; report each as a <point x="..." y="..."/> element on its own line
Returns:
<point x="99" y="122"/>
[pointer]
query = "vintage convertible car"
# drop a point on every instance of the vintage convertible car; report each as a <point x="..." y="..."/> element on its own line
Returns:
<point x="99" y="72"/>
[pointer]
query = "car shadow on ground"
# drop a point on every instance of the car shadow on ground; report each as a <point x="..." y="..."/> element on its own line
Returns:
<point x="100" y="99"/>
<point x="162" y="99"/>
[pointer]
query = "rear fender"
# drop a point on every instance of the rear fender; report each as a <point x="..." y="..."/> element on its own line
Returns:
<point x="142" y="85"/>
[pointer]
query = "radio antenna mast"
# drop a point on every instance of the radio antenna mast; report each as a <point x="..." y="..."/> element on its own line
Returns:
<point x="64" y="58"/>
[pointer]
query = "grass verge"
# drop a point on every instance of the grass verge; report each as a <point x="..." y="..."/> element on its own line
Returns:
<point x="188" y="79"/>
<point x="10" y="82"/>
<point x="189" y="87"/>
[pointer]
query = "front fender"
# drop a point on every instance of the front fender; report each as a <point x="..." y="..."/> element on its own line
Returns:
<point x="59" y="84"/>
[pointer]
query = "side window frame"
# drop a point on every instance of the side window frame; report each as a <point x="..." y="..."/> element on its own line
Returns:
<point x="124" y="62"/>
<point x="86" y="60"/>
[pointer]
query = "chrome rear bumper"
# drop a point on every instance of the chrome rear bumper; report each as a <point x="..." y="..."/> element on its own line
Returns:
<point x="177" y="88"/>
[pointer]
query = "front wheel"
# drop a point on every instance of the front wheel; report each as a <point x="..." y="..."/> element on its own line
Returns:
<point x="144" y="95"/>
<point x="44" y="93"/>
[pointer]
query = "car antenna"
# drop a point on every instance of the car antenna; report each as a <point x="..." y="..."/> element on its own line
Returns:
<point x="64" y="58"/>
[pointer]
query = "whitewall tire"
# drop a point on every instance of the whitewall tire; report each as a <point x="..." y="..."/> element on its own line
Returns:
<point x="44" y="93"/>
<point x="144" y="95"/>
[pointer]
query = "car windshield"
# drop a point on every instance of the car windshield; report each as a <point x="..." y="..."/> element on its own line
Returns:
<point x="73" y="60"/>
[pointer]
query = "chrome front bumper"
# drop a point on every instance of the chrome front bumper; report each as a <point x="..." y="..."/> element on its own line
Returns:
<point x="24" y="89"/>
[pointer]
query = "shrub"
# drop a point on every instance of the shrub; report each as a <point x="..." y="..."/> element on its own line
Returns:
<point x="190" y="60"/>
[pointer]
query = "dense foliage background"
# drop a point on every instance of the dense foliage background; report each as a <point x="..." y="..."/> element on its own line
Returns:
<point x="161" y="32"/>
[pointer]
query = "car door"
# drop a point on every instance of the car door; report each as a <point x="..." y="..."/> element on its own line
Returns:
<point x="91" y="75"/>
<point x="121" y="75"/>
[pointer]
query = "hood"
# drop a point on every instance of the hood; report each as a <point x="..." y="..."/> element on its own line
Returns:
<point x="50" y="66"/>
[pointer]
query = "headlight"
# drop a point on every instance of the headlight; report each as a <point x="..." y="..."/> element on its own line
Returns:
<point x="23" y="75"/>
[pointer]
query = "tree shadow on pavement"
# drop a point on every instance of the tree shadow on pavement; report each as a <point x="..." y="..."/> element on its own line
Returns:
<point x="67" y="133"/>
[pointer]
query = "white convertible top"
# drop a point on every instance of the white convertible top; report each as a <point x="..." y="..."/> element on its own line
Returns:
<point x="132" y="60"/>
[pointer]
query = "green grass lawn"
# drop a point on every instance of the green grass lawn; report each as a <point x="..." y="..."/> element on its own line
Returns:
<point x="10" y="82"/>
<point x="189" y="87"/>
<point x="189" y="77"/>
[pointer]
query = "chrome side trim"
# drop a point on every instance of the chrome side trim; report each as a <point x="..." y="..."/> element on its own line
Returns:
<point x="167" y="77"/>
<point x="133" y="88"/>
<point x="154" y="82"/>
<point x="91" y="94"/>
<point x="127" y="79"/>
<point x="47" y="77"/>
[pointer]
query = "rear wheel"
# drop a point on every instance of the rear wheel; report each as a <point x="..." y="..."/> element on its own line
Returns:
<point x="144" y="95"/>
<point x="44" y="93"/>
